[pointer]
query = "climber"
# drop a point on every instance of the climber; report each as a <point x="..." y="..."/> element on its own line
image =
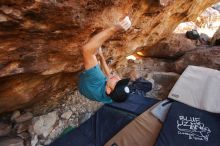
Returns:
<point x="95" y="84"/>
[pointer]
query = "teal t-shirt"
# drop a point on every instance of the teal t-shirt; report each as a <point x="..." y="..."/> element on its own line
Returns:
<point x="92" y="85"/>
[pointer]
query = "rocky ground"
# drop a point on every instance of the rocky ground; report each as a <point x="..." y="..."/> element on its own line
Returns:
<point x="22" y="128"/>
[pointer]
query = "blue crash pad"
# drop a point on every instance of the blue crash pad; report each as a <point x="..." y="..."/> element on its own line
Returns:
<point x="106" y="122"/>
<point x="188" y="126"/>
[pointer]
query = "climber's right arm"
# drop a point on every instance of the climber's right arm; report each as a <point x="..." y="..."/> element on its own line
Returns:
<point x="89" y="49"/>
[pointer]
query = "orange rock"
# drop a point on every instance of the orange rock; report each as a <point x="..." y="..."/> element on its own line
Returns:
<point x="40" y="40"/>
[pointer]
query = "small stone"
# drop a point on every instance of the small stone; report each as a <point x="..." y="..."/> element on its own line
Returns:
<point x="57" y="130"/>
<point x="73" y="121"/>
<point x="73" y="109"/>
<point x="31" y="130"/>
<point x="24" y="135"/>
<point x="27" y="143"/>
<point x="15" y="115"/>
<point x="5" y="129"/>
<point x="34" y="141"/>
<point x="41" y="140"/>
<point x="47" y="142"/>
<point x="21" y="127"/>
<point x="25" y="117"/>
<point x="84" y="117"/>
<point x="16" y="141"/>
<point x="67" y="115"/>
<point x="43" y="125"/>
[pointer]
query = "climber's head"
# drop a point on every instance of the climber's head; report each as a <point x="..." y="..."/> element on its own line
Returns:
<point x="117" y="89"/>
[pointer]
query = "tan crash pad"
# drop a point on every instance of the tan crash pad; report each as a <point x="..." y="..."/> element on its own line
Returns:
<point x="198" y="87"/>
<point x="142" y="131"/>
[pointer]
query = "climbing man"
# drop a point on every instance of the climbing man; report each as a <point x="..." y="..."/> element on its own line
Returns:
<point x="94" y="84"/>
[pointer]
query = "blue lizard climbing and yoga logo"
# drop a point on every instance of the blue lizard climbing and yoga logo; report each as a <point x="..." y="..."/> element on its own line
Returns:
<point x="193" y="127"/>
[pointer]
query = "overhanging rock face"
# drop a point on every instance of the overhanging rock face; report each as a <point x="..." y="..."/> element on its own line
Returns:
<point x="40" y="40"/>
